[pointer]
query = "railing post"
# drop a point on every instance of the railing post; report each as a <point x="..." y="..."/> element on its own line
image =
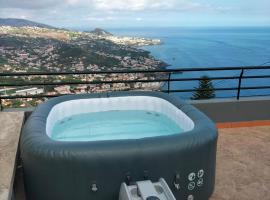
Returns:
<point x="169" y="82"/>
<point x="240" y="84"/>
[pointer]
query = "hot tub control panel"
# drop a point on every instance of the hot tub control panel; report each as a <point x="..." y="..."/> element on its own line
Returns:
<point x="195" y="181"/>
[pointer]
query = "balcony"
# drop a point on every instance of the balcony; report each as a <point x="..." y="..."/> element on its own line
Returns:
<point x="242" y="171"/>
<point x="228" y="82"/>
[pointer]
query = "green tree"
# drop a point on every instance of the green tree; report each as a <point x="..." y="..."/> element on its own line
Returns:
<point x="205" y="89"/>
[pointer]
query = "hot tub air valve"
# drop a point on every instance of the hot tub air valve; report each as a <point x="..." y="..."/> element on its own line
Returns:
<point x="176" y="181"/>
<point x="145" y="175"/>
<point x="128" y="178"/>
<point x="94" y="187"/>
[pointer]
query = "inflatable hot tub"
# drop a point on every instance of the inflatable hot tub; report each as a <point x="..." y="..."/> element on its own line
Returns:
<point x="84" y="146"/>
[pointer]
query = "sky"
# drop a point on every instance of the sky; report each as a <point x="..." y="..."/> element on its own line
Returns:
<point x="84" y="14"/>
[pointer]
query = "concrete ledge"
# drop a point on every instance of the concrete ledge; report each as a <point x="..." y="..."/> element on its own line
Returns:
<point x="10" y="129"/>
<point x="228" y="110"/>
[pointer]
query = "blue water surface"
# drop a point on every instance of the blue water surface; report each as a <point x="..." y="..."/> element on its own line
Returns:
<point x="211" y="47"/>
<point x="114" y="125"/>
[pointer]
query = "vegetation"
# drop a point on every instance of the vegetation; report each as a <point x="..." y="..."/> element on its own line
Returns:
<point x="3" y="60"/>
<point x="205" y="89"/>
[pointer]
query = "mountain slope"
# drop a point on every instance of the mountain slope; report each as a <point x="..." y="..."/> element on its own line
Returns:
<point x="21" y="22"/>
<point x="101" y="32"/>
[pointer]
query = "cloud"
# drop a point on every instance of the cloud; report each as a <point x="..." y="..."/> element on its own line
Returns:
<point x="119" y="5"/>
<point x="108" y="18"/>
<point x="131" y="12"/>
<point x="105" y="5"/>
<point x="29" y="4"/>
<point x="96" y="10"/>
<point x="141" y="5"/>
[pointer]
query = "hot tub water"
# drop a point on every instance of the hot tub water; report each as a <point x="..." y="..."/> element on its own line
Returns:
<point x="114" y="125"/>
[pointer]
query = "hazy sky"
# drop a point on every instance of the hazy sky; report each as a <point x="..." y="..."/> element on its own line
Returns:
<point x="139" y="13"/>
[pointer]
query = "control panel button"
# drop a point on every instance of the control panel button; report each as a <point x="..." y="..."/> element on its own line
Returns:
<point x="191" y="186"/>
<point x="191" y="176"/>
<point x="200" y="173"/>
<point x="200" y="182"/>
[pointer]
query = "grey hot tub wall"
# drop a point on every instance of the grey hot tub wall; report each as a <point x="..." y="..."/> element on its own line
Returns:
<point x="65" y="170"/>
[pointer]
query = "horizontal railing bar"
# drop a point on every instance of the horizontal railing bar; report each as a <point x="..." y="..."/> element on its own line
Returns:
<point x="171" y="91"/>
<point x="256" y="87"/>
<point x="135" y="71"/>
<point x="243" y="96"/>
<point x="124" y="81"/>
<point x="254" y="77"/>
<point x="81" y="82"/>
<point x="217" y="89"/>
<point x="30" y="96"/>
<point x="255" y="95"/>
<point x="203" y="90"/>
<point x="51" y="96"/>
<point x="38" y="96"/>
<point x="220" y="78"/>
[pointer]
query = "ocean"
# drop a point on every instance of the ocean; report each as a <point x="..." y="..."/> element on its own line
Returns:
<point x="210" y="47"/>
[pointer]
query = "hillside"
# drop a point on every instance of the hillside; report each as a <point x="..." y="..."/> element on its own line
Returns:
<point x="101" y="32"/>
<point x="42" y="49"/>
<point x="21" y="22"/>
<point x="31" y="48"/>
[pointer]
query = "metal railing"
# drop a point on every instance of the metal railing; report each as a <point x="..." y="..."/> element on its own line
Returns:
<point x="169" y="78"/>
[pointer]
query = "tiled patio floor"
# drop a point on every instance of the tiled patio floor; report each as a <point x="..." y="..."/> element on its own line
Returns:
<point x="243" y="164"/>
